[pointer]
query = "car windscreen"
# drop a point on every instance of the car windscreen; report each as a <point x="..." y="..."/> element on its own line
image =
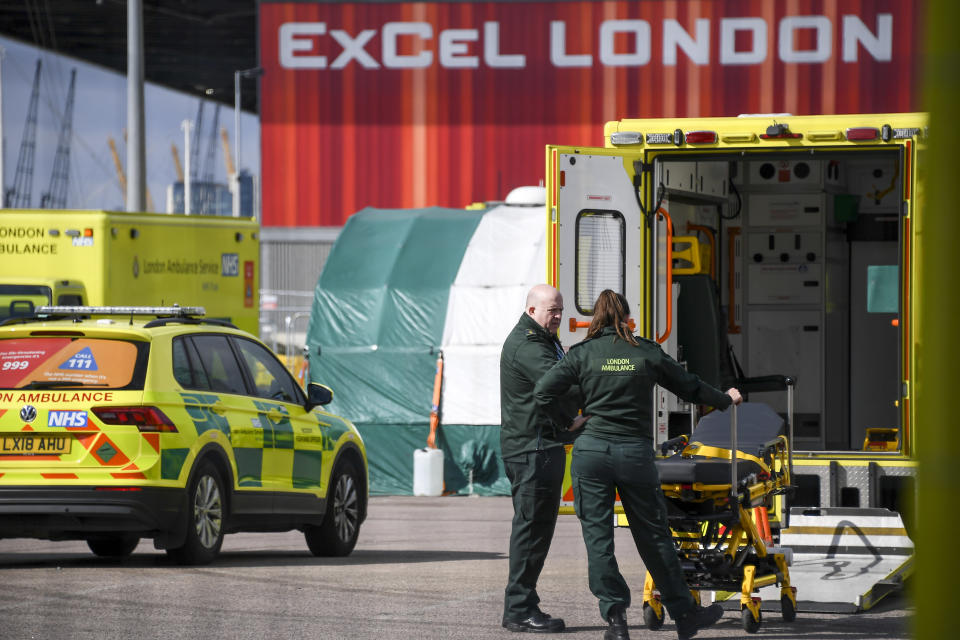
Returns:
<point x="50" y="362"/>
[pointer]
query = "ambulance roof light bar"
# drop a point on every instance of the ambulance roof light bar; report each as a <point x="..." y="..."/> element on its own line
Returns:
<point x="175" y="310"/>
<point x="776" y="131"/>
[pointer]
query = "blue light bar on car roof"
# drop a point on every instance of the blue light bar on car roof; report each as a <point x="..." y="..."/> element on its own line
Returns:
<point x="175" y="310"/>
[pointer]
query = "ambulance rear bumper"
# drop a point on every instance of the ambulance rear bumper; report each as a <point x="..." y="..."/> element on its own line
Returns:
<point x="71" y="513"/>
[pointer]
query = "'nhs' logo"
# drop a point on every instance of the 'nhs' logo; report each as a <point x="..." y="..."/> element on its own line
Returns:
<point x="67" y="419"/>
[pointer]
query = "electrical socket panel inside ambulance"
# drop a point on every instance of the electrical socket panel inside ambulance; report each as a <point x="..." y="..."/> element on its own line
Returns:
<point x="877" y="182"/>
<point x="803" y="172"/>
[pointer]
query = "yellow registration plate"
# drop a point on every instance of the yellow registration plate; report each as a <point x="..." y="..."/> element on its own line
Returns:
<point x="31" y="444"/>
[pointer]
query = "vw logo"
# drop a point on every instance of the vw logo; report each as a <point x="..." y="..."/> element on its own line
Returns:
<point x="28" y="413"/>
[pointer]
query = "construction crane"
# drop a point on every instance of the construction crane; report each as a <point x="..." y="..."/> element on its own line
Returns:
<point x="227" y="155"/>
<point x="208" y="163"/>
<point x="207" y="194"/>
<point x="18" y="196"/>
<point x="121" y="174"/>
<point x="195" y="143"/>
<point x="56" y="195"/>
<point x="176" y="161"/>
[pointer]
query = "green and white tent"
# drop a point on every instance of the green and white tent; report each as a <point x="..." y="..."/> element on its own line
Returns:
<point x="399" y="287"/>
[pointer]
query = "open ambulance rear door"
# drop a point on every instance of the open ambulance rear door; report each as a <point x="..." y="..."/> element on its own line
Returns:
<point x="608" y="232"/>
<point x="600" y="234"/>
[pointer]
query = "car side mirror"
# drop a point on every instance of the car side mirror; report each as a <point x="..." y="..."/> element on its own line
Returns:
<point x="317" y="395"/>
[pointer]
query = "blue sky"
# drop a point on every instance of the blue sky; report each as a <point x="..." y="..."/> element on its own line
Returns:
<point x="100" y="112"/>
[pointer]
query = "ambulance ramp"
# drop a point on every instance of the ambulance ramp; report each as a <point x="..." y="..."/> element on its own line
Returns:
<point x="844" y="560"/>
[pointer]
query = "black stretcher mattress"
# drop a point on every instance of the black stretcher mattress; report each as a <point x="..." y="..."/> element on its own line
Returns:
<point x="757" y="426"/>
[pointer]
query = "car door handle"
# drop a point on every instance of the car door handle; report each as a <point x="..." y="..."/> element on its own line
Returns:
<point x="218" y="408"/>
<point x="275" y="415"/>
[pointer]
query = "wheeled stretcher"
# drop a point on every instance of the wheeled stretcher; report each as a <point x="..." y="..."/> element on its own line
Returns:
<point x="711" y="498"/>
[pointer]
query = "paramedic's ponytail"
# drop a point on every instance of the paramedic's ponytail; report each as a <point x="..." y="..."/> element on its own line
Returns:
<point x="611" y="310"/>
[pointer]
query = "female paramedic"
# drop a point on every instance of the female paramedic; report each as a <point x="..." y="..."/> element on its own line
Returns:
<point x="617" y="372"/>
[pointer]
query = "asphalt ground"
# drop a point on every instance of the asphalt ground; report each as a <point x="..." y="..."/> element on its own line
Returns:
<point x="423" y="568"/>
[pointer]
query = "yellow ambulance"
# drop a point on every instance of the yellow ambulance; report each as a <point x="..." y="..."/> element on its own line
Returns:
<point x="761" y="246"/>
<point x="118" y="258"/>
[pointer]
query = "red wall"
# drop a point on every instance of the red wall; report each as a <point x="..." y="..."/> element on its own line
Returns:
<point x="368" y="133"/>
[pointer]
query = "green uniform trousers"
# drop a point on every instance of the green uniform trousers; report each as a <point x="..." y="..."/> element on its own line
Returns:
<point x="536" y="481"/>
<point x="599" y="468"/>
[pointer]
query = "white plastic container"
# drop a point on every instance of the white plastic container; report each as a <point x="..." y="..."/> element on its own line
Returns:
<point x="428" y="472"/>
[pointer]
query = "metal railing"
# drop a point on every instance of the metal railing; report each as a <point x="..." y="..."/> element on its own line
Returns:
<point x="279" y="320"/>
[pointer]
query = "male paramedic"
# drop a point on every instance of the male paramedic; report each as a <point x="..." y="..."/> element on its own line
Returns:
<point x="533" y="454"/>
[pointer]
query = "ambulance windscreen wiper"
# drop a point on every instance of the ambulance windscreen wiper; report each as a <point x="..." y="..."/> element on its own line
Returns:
<point x="60" y="384"/>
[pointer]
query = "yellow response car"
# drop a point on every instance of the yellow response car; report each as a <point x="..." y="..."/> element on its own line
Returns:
<point x="124" y="423"/>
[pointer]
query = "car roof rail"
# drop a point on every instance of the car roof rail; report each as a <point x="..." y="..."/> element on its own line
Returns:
<point x="162" y="322"/>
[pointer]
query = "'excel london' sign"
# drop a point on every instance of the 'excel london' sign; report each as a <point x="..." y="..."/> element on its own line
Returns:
<point x="620" y="43"/>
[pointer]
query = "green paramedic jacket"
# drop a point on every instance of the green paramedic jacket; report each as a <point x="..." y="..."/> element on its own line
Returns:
<point x="617" y="380"/>
<point x="528" y="352"/>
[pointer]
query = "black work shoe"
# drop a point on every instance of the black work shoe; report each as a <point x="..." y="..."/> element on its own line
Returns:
<point x="618" y="625"/>
<point x="538" y="622"/>
<point x="697" y="618"/>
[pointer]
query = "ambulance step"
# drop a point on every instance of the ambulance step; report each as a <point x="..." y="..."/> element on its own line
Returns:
<point x="844" y="560"/>
<point x="842" y="530"/>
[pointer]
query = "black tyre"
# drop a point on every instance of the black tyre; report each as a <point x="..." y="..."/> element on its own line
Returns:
<point x="118" y="546"/>
<point x="787" y="609"/>
<point x="750" y="625"/>
<point x="337" y="535"/>
<point x="205" y="518"/>
<point x="651" y="619"/>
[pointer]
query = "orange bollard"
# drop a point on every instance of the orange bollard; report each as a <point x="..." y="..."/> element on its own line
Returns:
<point x="435" y="408"/>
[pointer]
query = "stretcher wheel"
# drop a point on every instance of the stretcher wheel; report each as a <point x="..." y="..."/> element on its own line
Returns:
<point x="750" y="625"/>
<point x="651" y="619"/>
<point x="787" y="609"/>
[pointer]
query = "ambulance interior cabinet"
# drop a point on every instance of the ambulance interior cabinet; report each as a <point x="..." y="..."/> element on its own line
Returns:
<point x="790" y="342"/>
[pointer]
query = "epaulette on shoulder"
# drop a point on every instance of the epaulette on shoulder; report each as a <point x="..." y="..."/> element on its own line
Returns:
<point x="647" y="341"/>
<point x="531" y="334"/>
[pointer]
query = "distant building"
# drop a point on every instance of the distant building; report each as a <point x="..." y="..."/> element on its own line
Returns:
<point x="212" y="198"/>
<point x="249" y="196"/>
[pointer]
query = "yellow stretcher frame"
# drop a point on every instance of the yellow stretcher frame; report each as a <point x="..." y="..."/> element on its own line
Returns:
<point x="745" y="553"/>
